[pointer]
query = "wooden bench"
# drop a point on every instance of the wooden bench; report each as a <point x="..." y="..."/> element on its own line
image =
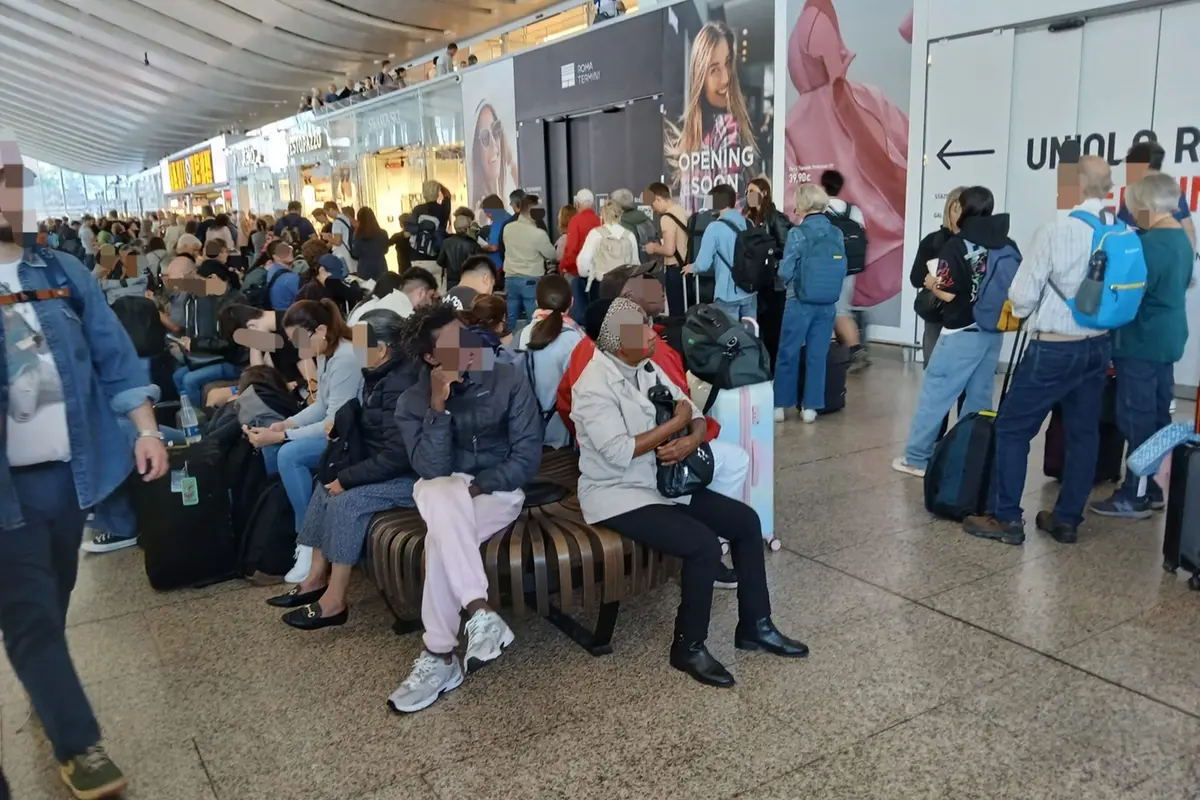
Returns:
<point x="549" y="561"/>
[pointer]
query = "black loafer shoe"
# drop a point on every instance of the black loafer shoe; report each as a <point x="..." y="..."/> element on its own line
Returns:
<point x="763" y="635"/>
<point x="296" y="598"/>
<point x="308" y="618"/>
<point x="1060" y="531"/>
<point x="695" y="660"/>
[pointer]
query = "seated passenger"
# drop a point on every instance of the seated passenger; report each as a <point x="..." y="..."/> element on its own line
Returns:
<point x="340" y="511"/>
<point x="620" y="446"/>
<point x="265" y="343"/>
<point x="293" y="448"/>
<point x="327" y="279"/>
<point x="283" y="290"/>
<point x="488" y="317"/>
<point x="474" y="438"/>
<point x="548" y="343"/>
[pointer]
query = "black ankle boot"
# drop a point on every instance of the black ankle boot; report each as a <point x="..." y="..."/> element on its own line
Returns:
<point x="694" y="659"/>
<point x="763" y="635"/>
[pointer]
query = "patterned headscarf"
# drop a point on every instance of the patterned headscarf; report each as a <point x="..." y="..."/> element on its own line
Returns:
<point x="622" y="311"/>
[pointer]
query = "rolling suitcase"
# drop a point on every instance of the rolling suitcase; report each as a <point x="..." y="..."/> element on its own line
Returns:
<point x="184" y="525"/>
<point x="837" y="365"/>
<point x="1181" y="538"/>
<point x="1110" y="461"/>
<point x="746" y="416"/>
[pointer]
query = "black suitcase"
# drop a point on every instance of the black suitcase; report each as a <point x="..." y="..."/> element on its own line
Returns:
<point x="1181" y="539"/>
<point x="1110" y="461"/>
<point x="958" y="475"/>
<point x="837" y="365"/>
<point x="186" y="545"/>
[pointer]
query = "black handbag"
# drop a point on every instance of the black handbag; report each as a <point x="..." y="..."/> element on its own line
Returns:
<point x="346" y="447"/>
<point x="683" y="477"/>
<point x="929" y="307"/>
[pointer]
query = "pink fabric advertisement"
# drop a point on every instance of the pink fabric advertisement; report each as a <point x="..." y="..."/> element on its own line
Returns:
<point x="847" y="111"/>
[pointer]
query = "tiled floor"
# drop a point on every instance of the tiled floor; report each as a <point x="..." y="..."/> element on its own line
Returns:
<point x="942" y="666"/>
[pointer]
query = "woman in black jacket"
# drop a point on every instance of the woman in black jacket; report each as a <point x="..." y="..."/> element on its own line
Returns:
<point x="761" y="213"/>
<point x="365" y="470"/>
<point x="370" y="246"/>
<point x="928" y="250"/>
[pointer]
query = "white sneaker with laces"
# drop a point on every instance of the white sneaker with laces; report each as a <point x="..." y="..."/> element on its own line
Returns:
<point x="487" y="637"/>
<point x="431" y="677"/>
<point x="781" y="415"/>
<point x="809" y="416"/>
<point x="299" y="572"/>
<point x="900" y="465"/>
<point x="1173" y="408"/>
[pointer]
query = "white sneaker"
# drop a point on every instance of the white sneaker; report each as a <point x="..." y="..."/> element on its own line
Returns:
<point x="102" y="542"/>
<point x="299" y="572"/>
<point x="781" y="415"/>
<point x="1172" y="408"/>
<point x="487" y="637"/>
<point x="431" y="677"/>
<point x="900" y="465"/>
<point x="809" y="416"/>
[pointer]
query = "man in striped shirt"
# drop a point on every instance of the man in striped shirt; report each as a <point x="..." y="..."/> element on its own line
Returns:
<point x="1065" y="364"/>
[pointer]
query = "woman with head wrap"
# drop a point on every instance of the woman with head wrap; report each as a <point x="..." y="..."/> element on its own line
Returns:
<point x="620" y="447"/>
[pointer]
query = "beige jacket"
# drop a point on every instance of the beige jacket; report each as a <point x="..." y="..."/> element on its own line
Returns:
<point x="608" y="412"/>
<point x="527" y="248"/>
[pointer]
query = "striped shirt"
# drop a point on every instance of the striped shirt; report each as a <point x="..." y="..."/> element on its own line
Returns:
<point x="1061" y="250"/>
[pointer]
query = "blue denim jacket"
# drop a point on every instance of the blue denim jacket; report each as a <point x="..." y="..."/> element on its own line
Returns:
<point x="101" y="375"/>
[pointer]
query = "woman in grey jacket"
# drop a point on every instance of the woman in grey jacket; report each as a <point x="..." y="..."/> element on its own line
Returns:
<point x="620" y="448"/>
<point x="293" y="448"/>
<point x="474" y="437"/>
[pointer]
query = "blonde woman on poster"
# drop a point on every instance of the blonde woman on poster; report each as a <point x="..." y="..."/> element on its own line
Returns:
<point x="493" y="167"/>
<point x="714" y="142"/>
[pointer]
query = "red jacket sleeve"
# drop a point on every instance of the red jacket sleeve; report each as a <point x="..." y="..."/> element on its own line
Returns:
<point x="580" y="357"/>
<point x="671" y="363"/>
<point x="575" y="237"/>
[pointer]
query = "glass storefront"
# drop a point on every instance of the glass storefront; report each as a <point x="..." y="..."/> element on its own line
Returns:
<point x="442" y="121"/>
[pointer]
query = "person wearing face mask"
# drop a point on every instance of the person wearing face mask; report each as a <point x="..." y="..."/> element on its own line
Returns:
<point x="473" y="434"/>
<point x="349" y="493"/>
<point x="620" y="447"/>
<point x="293" y="448"/>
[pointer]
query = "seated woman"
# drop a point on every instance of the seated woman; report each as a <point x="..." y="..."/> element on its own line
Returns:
<point x="548" y="343"/>
<point x="325" y="278"/>
<point x="293" y="448"/>
<point x="812" y="270"/>
<point x="473" y="436"/>
<point x="620" y="446"/>
<point x="488" y="317"/>
<point x="340" y="511"/>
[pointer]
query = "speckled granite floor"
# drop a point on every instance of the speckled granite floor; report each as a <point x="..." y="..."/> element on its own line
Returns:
<point x="941" y="666"/>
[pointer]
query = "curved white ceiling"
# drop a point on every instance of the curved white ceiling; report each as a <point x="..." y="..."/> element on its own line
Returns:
<point x="76" y="87"/>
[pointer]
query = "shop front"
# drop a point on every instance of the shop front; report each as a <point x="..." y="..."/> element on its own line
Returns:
<point x="197" y="178"/>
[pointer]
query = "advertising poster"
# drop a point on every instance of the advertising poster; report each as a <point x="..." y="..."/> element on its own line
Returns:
<point x="489" y="108"/>
<point x="848" y="65"/>
<point x="719" y="105"/>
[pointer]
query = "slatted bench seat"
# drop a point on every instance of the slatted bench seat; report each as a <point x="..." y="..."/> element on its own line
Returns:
<point x="549" y="561"/>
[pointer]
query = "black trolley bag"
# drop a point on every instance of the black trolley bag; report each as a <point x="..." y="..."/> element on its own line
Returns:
<point x="1110" y="460"/>
<point x="1181" y="537"/>
<point x="186" y="545"/>
<point x="959" y="474"/>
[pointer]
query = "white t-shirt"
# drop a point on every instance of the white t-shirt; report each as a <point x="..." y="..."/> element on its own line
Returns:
<point x="37" y="413"/>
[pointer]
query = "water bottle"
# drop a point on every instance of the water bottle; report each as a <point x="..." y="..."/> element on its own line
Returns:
<point x="188" y="421"/>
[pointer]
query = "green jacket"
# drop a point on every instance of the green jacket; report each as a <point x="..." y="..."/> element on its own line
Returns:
<point x="1160" y="330"/>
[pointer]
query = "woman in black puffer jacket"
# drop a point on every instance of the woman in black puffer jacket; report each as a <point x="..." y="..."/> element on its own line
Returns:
<point x="762" y="213"/>
<point x="364" y="471"/>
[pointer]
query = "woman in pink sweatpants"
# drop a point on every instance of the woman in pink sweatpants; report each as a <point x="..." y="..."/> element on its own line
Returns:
<point x="473" y="432"/>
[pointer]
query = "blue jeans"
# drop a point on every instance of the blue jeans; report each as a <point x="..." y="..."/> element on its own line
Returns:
<point x="1068" y="373"/>
<point x="963" y="361"/>
<point x="295" y="462"/>
<point x="810" y="326"/>
<point x="746" y="307"/>
<point x="1144" y="392"/>
<point x="579" y="297"/>
<point x="190" y="382"/>
<point x="38" y="565"/>
<point x="521" y="292"/>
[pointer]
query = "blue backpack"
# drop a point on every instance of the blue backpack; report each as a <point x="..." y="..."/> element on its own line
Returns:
<point x="823" y="265"/>
<point x="993" y="309"/>
<point x="1115" y="283"/>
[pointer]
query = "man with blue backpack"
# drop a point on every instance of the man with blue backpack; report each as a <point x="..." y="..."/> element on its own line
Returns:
<point x="971" y="278"/>
<point x="1085" y="276"/>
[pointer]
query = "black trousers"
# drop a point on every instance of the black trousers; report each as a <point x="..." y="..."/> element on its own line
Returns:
<point x="690" y="532"/>
<point x="38" y="565"/>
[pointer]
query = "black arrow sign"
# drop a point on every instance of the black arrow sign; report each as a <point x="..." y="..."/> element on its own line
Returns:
<point x="945" y="153"/>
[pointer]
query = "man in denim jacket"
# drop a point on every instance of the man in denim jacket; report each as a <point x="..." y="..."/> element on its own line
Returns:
<point x="70" y="370"/>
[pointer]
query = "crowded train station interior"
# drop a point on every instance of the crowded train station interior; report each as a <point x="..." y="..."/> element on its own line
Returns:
<point x="520" y="399"/>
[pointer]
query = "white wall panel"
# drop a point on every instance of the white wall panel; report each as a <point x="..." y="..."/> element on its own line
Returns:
<point x="959" y="17"/>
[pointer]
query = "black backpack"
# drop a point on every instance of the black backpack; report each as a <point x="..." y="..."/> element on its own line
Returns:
<point x="139" y="317"/>
<point x="755" y="257"/>
<point x="855" y="238"/>
<point x="268" y="545"/>
<point x="719" y="350"/>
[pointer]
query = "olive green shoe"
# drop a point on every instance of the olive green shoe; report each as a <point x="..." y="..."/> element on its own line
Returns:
<point x="93" y="775"/>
